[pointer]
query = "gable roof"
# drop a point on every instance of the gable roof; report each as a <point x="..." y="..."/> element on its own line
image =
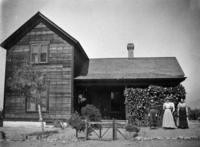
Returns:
<point x="31" y="23"/>
<point x="135" y="68"/>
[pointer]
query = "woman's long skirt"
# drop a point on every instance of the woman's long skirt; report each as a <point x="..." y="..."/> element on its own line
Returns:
<point x="183" y="122"/>
<point x="168" y="120"/>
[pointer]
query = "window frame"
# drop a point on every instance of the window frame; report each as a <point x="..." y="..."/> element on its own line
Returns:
<point x="40" y="44"/>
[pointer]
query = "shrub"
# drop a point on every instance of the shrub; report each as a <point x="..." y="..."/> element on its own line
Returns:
<point x="132" y="128"/>
<point x="76" y="122"/>
<point x="194" y="114"/>
<point x="91" y="113"/>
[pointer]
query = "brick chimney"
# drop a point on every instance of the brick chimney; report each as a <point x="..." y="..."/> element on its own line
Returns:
<point x="130" y="48"/>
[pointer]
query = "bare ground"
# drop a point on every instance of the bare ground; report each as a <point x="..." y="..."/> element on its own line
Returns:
<point x="152" y="143"/>
<point x="16" y="136"/>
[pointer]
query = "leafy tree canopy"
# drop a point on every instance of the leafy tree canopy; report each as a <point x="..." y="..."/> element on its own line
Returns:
<point x="28" y="81"/>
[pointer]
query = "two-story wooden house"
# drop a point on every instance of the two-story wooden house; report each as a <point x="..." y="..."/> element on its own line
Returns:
<point x="70" y="72"/>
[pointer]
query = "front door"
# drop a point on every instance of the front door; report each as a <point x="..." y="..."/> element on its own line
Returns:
<point x="117" y="104"/>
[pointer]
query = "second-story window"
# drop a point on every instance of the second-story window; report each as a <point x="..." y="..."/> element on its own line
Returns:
<point x="39" y="53"/>
<point x="43" y="53"/>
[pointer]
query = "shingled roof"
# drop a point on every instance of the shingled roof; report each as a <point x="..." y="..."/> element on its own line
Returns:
<point x="135" y="68"/>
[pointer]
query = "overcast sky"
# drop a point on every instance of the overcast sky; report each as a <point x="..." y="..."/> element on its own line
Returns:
<point x="158" y="28"/>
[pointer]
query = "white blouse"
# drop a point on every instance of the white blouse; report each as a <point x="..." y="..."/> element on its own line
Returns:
<point x="169" y="105"/>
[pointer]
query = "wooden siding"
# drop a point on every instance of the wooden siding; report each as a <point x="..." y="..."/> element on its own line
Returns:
<point x="80" y="68"/>
<point x="81" y="63"/>
<point x="58" y="70"/>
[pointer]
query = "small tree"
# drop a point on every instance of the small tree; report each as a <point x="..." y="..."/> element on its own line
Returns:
<point x="30" y="83"/>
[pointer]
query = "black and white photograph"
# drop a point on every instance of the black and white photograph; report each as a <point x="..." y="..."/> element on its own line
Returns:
<point x="111" y="73"/>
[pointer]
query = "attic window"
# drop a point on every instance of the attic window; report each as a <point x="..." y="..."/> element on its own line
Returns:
<point x="39" y="53"/>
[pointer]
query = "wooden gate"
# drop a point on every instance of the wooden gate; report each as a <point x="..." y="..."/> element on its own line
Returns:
<point x="97" y="128"/>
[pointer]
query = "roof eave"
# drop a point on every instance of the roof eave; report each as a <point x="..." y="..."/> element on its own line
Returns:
<point x="130" y="82"/>
<point x="20" y="32"/>
<point x="170" y="78"/>
<point x="33" y="21"/>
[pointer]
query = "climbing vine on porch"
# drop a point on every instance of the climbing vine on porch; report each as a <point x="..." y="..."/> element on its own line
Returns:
<point x="137" y="101"/>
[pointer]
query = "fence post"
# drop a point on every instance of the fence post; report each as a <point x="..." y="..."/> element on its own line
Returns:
<point x="114" y="130"/>
<point x="100" y="132"/>
<point x="86" y="129"/>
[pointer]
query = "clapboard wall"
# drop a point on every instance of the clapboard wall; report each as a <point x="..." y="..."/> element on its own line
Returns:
<point x="59" y="71"/>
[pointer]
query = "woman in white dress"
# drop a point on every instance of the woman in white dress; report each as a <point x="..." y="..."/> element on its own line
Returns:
<point x="168" y="120"/>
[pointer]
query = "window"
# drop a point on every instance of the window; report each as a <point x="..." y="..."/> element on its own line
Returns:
<point x="43" y="54"/>
<point x="31" y="103"/>
<point x="35" y="50"/>
<point x="39" y="53"/>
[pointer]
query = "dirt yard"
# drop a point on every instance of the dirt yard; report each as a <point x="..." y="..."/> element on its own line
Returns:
<point x="16" y="136"/>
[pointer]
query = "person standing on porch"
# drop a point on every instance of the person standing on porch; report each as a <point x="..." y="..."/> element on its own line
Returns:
<point x="182" y="114"/>
<point x="168" y="119"/>
<point x="82" y="101"/>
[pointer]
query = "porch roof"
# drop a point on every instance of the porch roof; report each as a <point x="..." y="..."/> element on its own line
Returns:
<point x="135" y="68"/>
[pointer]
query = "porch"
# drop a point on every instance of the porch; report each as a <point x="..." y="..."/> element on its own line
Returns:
<point x="109" y="99"/>
<point x="107" y="94"/>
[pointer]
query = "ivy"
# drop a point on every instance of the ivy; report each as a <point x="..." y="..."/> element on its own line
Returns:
<point x="138" y="101"/>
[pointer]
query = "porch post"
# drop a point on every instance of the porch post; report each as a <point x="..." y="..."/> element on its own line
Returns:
<point x="126" y="106"/>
